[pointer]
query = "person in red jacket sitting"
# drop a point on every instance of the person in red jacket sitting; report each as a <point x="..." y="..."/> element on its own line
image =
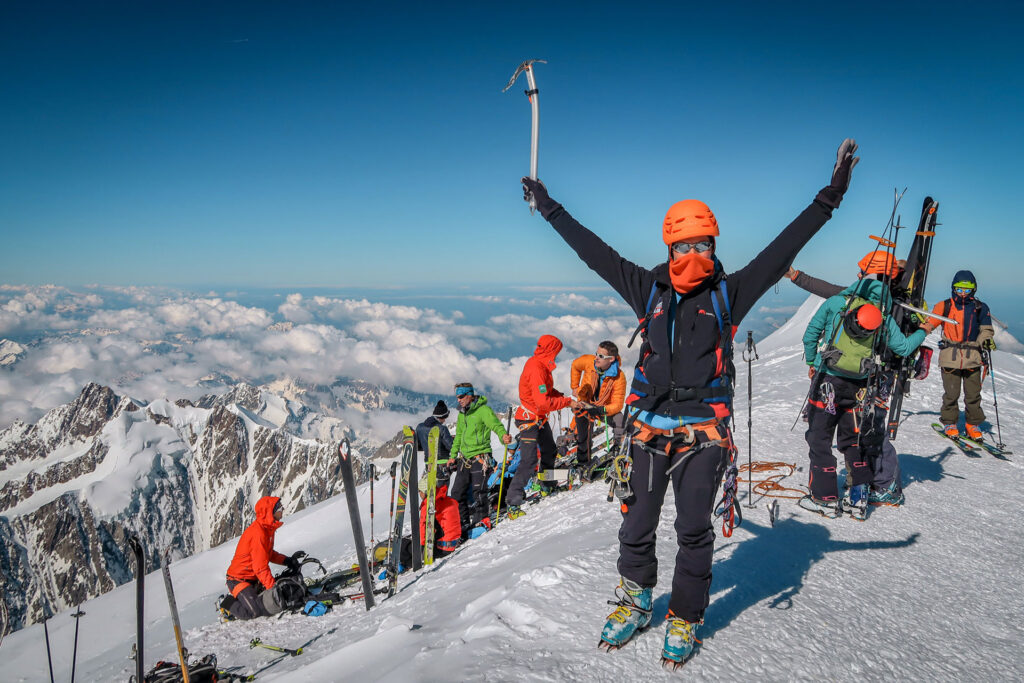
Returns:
<point x="447" y="521"/>
<point x="538" y="397"/>
<point x="249" y="574"/>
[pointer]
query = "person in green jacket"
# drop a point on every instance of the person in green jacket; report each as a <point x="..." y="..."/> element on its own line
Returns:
<point x="471" y="453"/>
<point x="838" y="347"/>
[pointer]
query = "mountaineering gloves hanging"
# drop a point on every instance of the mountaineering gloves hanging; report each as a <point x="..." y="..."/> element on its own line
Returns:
<point x="845" y="161"/>
<point x="535" y="188"/>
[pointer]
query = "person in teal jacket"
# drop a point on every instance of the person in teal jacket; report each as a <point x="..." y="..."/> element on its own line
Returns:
<point x="471" y="453"/>
<point x="837" y="346"/>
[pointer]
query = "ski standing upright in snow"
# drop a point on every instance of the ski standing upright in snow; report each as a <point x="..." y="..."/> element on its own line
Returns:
<point x="428" y="542"/>
<point x="395" y="540"/>
<point x="175" y="622"/>
<point x="140" y="595"/>
<point x="349" y="481"/>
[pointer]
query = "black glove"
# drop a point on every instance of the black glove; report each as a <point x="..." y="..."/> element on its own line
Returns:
<point x="295" y="561"/>
<point x="545" y="204"/>
<point x="845" y="161"/>
<point x="989" y="344"/>
<point x="595" y="411"/>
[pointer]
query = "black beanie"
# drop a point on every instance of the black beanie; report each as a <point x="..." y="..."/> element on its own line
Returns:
<point x="441" y="411"/>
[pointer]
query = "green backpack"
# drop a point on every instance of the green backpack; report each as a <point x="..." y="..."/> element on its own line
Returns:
<point x="850" y="351"/>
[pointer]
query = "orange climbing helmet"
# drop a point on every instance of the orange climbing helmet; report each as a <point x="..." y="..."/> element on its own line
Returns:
<point x="879" y="262"/>
<point x="688" y="218"/>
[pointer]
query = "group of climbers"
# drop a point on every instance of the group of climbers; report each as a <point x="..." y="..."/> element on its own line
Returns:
<point x="673" y="425"/>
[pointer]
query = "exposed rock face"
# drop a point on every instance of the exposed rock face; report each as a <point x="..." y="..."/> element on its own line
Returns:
<point x="177" y="474"/>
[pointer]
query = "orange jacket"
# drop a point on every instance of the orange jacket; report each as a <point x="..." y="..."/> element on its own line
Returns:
<point x="536" y="393"/>
<point x="446" y="513"/>
<point x="584" y="380"/>
<point x="255" y="549"/>
<point x="964" y="352"/>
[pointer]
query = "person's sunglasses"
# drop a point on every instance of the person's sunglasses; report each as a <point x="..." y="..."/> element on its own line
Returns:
<point x="601" y="356"/>
<point x="963" y="291"/>
<point x="687" y="247"/>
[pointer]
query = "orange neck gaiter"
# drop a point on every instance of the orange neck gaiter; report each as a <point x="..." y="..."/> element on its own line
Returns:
<point x="689" y="270"/>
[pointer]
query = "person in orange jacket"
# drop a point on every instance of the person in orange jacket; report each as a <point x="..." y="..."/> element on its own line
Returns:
<point x="249" y="574"/>
<point x="447" y="521"/>
<point x="598" y="382"/>
<point x="537" y="397"/>
<point x="961" y="354"/>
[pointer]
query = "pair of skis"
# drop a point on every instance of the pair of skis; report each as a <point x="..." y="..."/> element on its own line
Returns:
<point x="972" y="447"/>
<point x="409" y="479"/>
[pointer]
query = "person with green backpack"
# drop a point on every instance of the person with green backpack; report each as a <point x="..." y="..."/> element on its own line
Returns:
<point x="839" y="346"/>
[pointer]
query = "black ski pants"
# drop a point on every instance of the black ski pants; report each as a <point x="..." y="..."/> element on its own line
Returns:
<point x="839" y="419"/>
<point x="470" y="490"/>
<point x="695" y="482"/>
<point x="585" y="432"/>
<point x="533" y="437"/>
<point x="248" y="604"/>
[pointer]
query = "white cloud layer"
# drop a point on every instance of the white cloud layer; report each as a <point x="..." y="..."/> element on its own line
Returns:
<point x="155" y="343"/>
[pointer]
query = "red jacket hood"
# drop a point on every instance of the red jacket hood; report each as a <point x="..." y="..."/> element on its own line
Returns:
<point x="548" y="347"/>
<point x="265" y="512"/>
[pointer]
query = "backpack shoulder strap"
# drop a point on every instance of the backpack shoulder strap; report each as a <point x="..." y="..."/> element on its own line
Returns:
<point x="946" y="305"/>
<point x="644" y="321"/>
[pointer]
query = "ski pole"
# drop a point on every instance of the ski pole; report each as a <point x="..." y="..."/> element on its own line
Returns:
<point x="504" y="462"/>
<point x="373" y="475"/>
<point x="995" y="399"/>
<point x="256" y="642"/>
<point x="750" y="355"/>
<point x="531" y="94"/>
<point x="77" y="616"/>
<point x="49" y="659"/>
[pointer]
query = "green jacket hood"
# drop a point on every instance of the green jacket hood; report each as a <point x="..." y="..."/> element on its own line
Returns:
<point x="866" y="289"/>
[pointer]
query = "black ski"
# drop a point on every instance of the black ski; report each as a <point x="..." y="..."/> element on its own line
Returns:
<point x="992" y="450"/>
<point x="140" y="595"/>
<point x="348" y="479"/>
<point x="911" y="286"/>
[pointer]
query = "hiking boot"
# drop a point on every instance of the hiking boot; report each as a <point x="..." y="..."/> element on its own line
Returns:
<point x="951" y="431"/>
<point x="825" y="508"/>
<point x="632" y="613"/>
<point x="973" y="432"/>
<point x="680" y="637"/>
<point x="889" y="496"/>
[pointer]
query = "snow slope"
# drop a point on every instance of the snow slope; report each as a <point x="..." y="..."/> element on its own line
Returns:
<point x="929" y="591"/>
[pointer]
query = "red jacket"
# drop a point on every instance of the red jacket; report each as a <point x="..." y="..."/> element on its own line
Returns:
<point x="536" y="393"/>
<point x="446" y="513"/>
<point x="255" y="549"/>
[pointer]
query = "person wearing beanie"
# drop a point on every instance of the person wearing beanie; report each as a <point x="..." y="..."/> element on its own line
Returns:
<point x="680" y="399"/>
<point x="471" y="456"/>
<point x="444" y="443"/>
<point x="839" y="343"/>
<point x="960" y="354"/>
<point x="537" y="398"/>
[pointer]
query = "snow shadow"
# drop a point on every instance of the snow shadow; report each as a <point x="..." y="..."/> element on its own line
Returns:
<point x="925" y="468"/>
<point x="770" y="565"/>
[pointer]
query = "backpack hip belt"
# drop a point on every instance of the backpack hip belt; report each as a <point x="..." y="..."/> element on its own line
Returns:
<point x="679" y="394"/>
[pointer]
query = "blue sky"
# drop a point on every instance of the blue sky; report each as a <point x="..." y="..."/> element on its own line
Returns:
<point x="309" y="144"/>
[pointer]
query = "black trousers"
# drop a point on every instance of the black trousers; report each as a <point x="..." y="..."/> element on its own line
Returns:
<point x="585" y="429"/>
<point x="532" y="439"/>
<point x="860" y="450"/>
<point x="248" y="604"/>
<point x="695" y="482"/>
<point x="471" y="481"/>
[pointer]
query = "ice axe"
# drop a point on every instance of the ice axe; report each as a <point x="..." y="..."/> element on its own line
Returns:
<point x="531" y="94"/>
